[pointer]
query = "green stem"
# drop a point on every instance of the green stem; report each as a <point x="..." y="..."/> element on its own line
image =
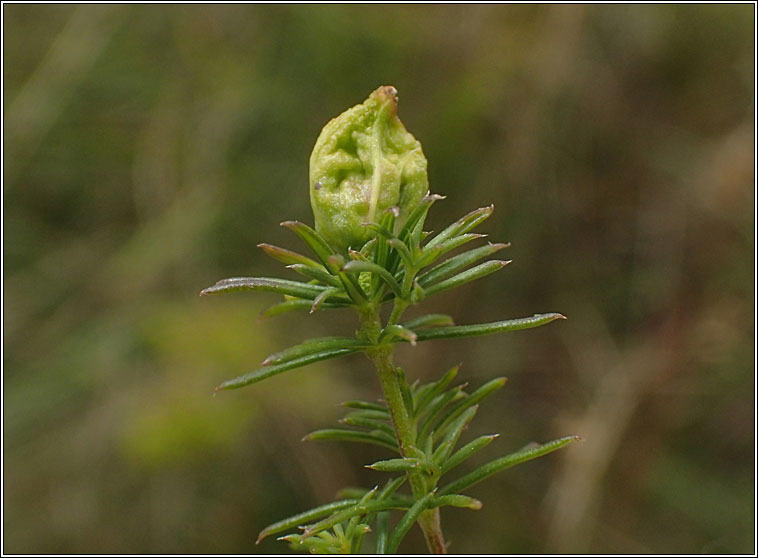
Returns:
<point x="405" y="429"/>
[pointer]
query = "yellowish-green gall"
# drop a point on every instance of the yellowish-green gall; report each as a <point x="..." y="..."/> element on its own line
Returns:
<point x="364" y="163"/>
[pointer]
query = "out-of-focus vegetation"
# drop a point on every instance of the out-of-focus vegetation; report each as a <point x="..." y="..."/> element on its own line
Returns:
<point x="148" y="149"/>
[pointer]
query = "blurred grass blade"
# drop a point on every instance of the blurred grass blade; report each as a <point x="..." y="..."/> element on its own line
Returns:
<point x="273" y="370"/>
<point x="356" y="266"/>
<point x="288" y="257"/>
<point x="314" y="241"/>
<point x="504" y="463"/>
<point x="467" y="451"/>
<point x="481" y="270"/>
<point x="311" y="346"/>
<point x="282" y="286"/>
<point x="407" y="521"/>
<point x="456" y="263"/>
<point x="486" y="329"/>
<point x="472" y="399"/>
<point x="342" y="435"/>
<point x="305" y="517"/>
<point x="392" y="331"/>
<point x="429" y="320"/>
<point x="463" y="225"/>
<point x="395" y="465"/>
<point x="317" y="273"/>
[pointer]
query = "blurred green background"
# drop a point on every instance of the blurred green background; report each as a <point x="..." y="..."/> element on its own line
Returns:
<point x="148" y="149"/>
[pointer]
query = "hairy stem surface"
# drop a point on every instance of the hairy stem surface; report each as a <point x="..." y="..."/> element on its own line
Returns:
<point x="405" y="430"/>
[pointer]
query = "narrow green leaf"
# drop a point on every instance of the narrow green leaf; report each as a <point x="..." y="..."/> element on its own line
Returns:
<point x="298" y="304"/>
<point x="354" y="255"/>
<point x="439" y="403"/>
<point x="393" y="331"/>
<point x="428" y="392"/>
<point x="457" y="501"/>
<point x="340" y="435"/>
<point x="467" y="451"/>
<point x="355" y="404"/>
<point x="382" y="531"/>
<point x="477" y="272"/>
<point x="428" y="445"/>
<point x="418" y="215"/>
<point x="463" y="225"/>
<point x="312" y="346"/>
<point x="305" y="517"/>
<point x="288" y="257"/>
<point x="395" y="465"/>
<point x="417" y="236"/>
<point x="417" y="293"/>
<point x="379" y="229"/>
<point x="357" y="509"/>
<point x="405" y="391"/>
<point x="314" y="241"/>
<point x="323" y="544"/>
<point x="504" y="463"/>
<point x="370" y="494"/>
<point x="355" y="535"/>
<point x="456" y="241"/>
<point x="407" y="521"/>
<point x="282" y="286"/>
<point x="373" y="414"/>
<point x="456" y="263"/>
<point x="486" y="329"/>
<point x="349" y="282"/>
<point x="268" y="371"/>
<point x="472" y="399"/>
<point x="382" y="255"/>
<point x="389" y="492"/>
<point x="430" y="320"/>
<point x="355" y="419"/>
<point x="317" y="273"/>
<point x="431" y="254"/>
<point x="402" y="250"/>
<point x="326" y="294"/>
<point x="356" y="266"/>
<point x="453" y="433"/>
<point x="351" y="492"/>
<point x="368" y="248"/>
<point x="392" y="486"/>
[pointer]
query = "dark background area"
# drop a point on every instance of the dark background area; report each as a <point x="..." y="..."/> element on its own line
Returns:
<point x="148" y="149"/>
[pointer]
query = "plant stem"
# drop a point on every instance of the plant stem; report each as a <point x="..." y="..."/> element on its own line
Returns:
<point x="405" y="429"/>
